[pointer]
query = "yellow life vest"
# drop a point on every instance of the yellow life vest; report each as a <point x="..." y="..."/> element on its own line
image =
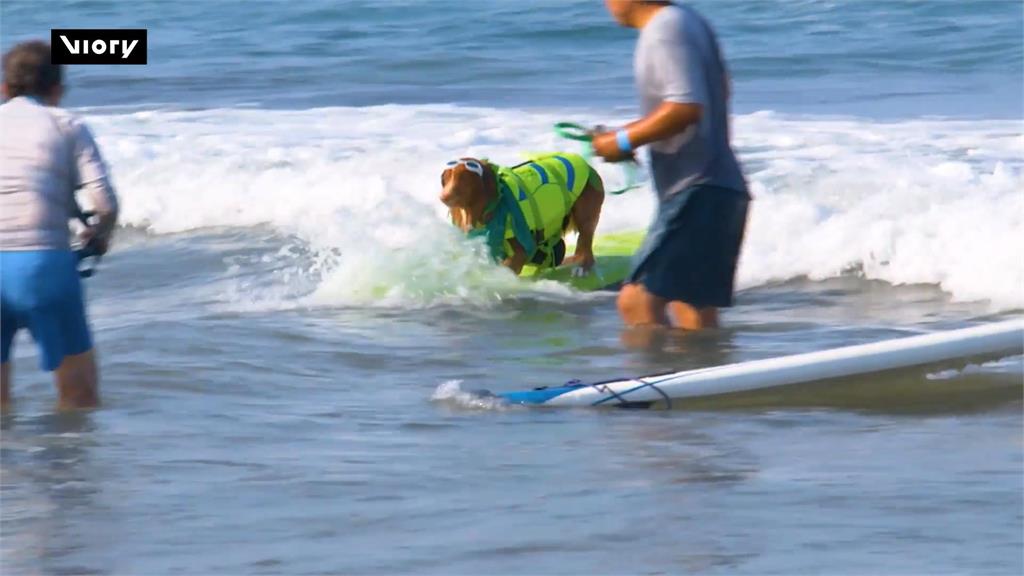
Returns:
<point x="543" y="191"/>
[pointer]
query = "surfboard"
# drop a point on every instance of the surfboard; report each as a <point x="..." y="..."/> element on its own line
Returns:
<point x="994" y="340"/>
<point x="613" y="254"/>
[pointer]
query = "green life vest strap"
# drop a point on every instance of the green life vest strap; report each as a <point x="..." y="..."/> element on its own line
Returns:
<point x="504" y="208"/>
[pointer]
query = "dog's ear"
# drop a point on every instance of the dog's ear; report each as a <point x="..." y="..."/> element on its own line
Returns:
<point x="490" y="180"/>
<point x="459" y="217"/>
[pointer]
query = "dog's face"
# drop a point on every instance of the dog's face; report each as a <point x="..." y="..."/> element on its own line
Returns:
<point x="461" y="182"/>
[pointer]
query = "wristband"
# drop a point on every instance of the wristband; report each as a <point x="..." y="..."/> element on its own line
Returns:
<point x="622" y="138"/>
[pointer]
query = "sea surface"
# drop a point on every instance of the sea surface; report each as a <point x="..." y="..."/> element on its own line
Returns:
<point x="288" y="326"/>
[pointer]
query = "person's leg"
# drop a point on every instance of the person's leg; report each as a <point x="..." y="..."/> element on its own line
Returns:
<point x="644" y="316"/>
<point x="694" y="266"/>
<point x="77" y="381"/>
<point x="638" y="307"/>
<point x="663" y="265"/>
<point x="60" y="329"/>
<point x="690" y="318"/>
<point x="8" y="328"/>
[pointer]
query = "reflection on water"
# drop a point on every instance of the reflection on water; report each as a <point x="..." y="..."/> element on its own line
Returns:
<point x="49" y="483"/>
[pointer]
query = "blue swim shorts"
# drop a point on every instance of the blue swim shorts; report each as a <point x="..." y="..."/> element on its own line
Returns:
<point x="40" y="290"/>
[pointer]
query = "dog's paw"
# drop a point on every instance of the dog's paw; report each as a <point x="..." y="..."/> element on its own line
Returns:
<point x="582" y="265"/>
<point x="581" y="271"/>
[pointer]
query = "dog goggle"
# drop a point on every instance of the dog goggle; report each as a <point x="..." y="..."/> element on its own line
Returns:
<point x="471" y="165"/>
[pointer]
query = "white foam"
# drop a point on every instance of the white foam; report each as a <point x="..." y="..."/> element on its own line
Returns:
<point x="451" y="393"/>
<point x="1009" y="365"/>
<point x="920" y="201"/>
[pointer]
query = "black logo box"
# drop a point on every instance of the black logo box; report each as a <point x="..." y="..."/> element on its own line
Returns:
<point x="98" y="46"/>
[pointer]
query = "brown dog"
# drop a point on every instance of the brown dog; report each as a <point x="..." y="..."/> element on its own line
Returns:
<point x="549" y="196"/>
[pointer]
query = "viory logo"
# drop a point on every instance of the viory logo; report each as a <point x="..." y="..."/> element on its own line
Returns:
<point x="98" y="45"/>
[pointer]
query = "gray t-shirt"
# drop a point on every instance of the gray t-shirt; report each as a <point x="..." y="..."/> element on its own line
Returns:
<point x="678" y="60"/>
<point x="46" y="154"/>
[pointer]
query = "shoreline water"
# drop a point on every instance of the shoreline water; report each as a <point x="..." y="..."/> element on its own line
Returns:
<point x="286" y="299"/>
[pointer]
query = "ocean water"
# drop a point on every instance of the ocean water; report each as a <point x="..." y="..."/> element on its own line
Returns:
<point x="287" y="318"/>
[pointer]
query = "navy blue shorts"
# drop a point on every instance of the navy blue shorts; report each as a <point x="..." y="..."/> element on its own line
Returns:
<point x="690" y="252"/>
<point x="40" y="290"/>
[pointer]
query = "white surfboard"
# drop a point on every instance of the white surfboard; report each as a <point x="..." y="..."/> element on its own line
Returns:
<point x="999" y="339"/>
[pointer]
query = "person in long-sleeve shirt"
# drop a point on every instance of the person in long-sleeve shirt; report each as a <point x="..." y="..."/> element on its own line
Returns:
<point x="47" y="155"/>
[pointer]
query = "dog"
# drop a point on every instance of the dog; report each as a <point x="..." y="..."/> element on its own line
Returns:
<point x="526" y="210"/>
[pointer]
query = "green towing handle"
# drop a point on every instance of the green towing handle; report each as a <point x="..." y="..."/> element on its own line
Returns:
<point x="573" y="131"/>
<point x="578" y="133"/>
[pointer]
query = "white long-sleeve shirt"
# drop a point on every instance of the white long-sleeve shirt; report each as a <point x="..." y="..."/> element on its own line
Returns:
<point x="46" y="155"/>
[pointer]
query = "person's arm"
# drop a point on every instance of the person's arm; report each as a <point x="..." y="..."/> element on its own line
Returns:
<point x="667" y="120"/>
<point x="93" y="181"/>
<point x="681" y="79"/>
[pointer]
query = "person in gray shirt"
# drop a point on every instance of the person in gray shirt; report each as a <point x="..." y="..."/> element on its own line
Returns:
<point x="686" y="268"/>
<point x="46" y="155"/>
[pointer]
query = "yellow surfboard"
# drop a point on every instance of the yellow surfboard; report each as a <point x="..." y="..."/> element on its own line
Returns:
<point x="613" y="254"/>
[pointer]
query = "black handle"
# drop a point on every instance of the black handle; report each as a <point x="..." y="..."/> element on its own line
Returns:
<point x="89" y="250"/>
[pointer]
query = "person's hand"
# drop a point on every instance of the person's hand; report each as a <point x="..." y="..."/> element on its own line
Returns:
<point x="606" y="146"/>
<point x="89" y="237"/>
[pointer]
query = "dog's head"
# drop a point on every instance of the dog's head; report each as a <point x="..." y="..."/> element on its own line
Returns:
<point x="463" y="182"/>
